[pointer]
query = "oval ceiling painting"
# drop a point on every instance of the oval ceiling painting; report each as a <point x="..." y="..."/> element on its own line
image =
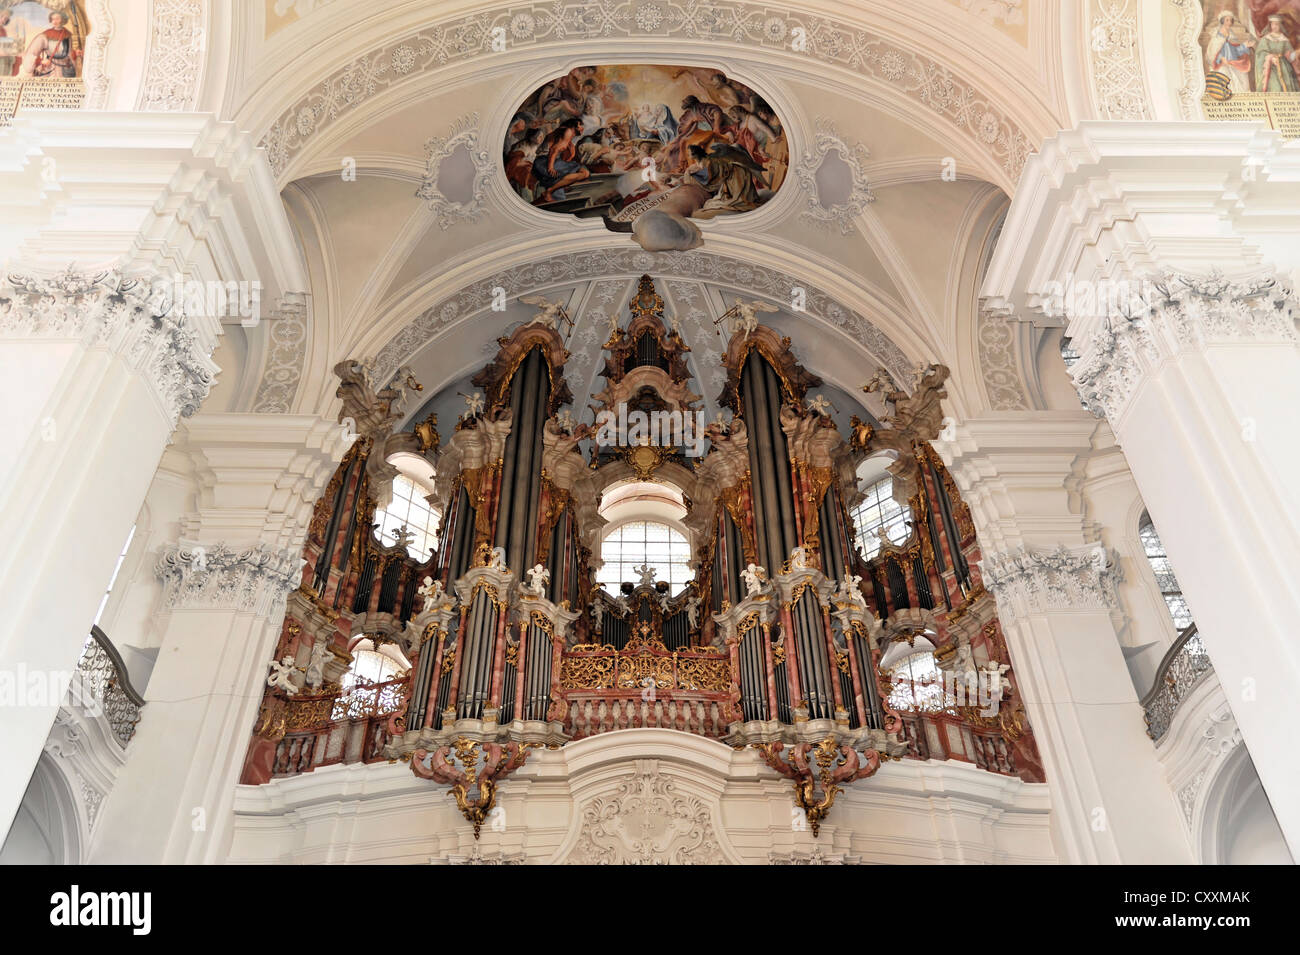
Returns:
<point x="646" y="148"/>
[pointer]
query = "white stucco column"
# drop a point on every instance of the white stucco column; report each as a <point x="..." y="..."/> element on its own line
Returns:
<point x="1166" y="251"/>
<point x="249" y="482"/>
<point x="1056" y="589"/>
<point x="98" y="363"/>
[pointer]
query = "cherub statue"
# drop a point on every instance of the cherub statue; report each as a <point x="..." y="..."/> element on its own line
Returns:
<point x="613" y="325"/>
<point x="799" y="559"/>
<point x="395" y="393"/>
<point x="621" y="603"/>
<point x="403" y="537"/>
<point x="597" y="614"/>
<point x="473" y="404"/>
<point x="693" y="612"/>
<point x="820" y="405"/>
<point x="882" y="379"/>
<point x="538" y="578"/>
<point x="432" y="593"/>
<point x="754" y="578"/>
<point x="850" y="591"/>
<point x="498" y="559"/>
<point x="315" y="674"/>
<point x="965" y="664"/>
<point x="549" y="313"/>
<point x="646" y="573"/>
<point x="720" y="422"/>
<point x="565" y="421"/>
<point x="746" y="319"/>
<point x="281" y="677"/>
<point x="992" y="671"/>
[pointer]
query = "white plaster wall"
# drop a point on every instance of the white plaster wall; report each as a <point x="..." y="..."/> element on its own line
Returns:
<point x="909" y="812"/>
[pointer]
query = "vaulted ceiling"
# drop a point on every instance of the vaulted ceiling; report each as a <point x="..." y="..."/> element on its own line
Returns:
<point x="907" y="124"/>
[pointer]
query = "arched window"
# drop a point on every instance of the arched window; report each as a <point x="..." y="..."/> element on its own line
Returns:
<point x="917" y="684"/>
<point x="373" y="666"/>
<point x="409" y="509"/>
<point x="369" y="668"/>
<point x="635" y="543"/>
<point x="1164" y="571"/>
<point x="879" y="514"/>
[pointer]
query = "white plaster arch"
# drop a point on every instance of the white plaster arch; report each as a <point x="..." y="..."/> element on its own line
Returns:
<point x="639" y="771"/>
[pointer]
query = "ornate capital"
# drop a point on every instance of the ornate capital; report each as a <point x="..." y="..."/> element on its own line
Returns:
<point x="136" y="320"/>
<point x="1168" y="316"/>
<point x="1032" y="581"/>
<point x="254" y="580"/>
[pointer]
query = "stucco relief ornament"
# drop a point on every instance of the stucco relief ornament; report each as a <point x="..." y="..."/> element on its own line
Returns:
<point x="730" y="24"/>
<point x="996" y="336"/>
<point x="463" y="134"/>
<point x="1181" y="312"/>
<point x="1053" y="580"/>
<point x="255" y="579"/>
<point x="854" y="158"/>
<point x="1114" y="49"/>
<point x="647" y="820"/>
<point x="133" y="318"/>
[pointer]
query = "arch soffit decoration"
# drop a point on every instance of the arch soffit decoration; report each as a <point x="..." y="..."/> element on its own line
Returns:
<point x="425" y="314"/>
<point x="891" y="61"/>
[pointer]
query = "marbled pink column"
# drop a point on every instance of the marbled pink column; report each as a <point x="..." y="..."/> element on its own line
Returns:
<point x="771" y="672"/>
<point x="499" y="658"/>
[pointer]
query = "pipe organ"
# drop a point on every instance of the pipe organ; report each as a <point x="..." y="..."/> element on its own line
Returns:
<point x="776" y="643"/>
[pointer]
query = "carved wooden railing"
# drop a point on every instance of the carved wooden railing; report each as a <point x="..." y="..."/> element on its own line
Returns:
<point x="644" y="685"/>
<point x="1184" y="666"/>
<point x="101" y="672"/>
<point x="322" y="729"/>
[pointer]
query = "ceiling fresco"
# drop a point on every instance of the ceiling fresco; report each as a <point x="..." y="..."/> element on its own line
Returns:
<point x="646" y="149"/>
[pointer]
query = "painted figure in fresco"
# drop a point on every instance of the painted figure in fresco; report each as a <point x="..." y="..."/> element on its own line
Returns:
<point x="556" y="164"/>
<point x="730" y="178"/>
<point x="8" y="64"/>
<point x="1231" y="51"/>
<point x="1275" y="59"/>
<point x="654" y="122"/>
<point x="51" y="52"/>
<point x="605" y="142"/>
